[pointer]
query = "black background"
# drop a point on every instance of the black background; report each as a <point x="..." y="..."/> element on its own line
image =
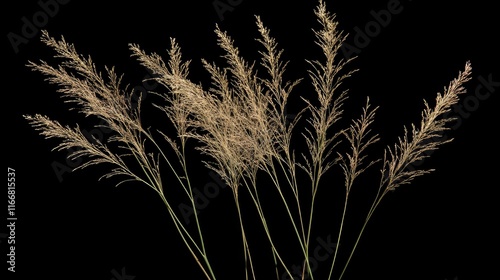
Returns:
<point x="440" y="227"/>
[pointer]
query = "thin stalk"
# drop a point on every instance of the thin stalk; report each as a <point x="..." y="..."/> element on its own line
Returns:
<point x="315" y="185"/>
<point x="153" y="182"/>
<point x="339" y="235"/>
<point x="301" y="242"/>
<point x="177" y="223"/>
<point x="174" y="217"/>
<point x="294" y="187"/>
<point x="193" y="205"/>
<point x="256" y="200"/>
<point x="246" y="249"/>
<point x="150" y="137"/>
<point x="375" y="203"/>
<point x="278" y="187"/>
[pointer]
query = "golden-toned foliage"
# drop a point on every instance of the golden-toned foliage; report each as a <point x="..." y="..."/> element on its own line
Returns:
<point x="240" y="123"/>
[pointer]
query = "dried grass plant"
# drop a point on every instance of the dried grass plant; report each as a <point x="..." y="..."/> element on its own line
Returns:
<point x="240" y="123"/>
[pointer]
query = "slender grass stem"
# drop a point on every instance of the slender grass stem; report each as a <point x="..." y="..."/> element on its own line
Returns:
<point x="178" y="227"/>
<point x="246" y="248"/>
<point x="303" y="245"/>
<point x="375" y="203"/>
<point x="256" y="200"/>
<point x="181" y="229"/>
<point x="339" y="235"/>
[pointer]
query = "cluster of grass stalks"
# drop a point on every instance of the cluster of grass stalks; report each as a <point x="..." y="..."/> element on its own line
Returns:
<point x="240" y="123"/>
